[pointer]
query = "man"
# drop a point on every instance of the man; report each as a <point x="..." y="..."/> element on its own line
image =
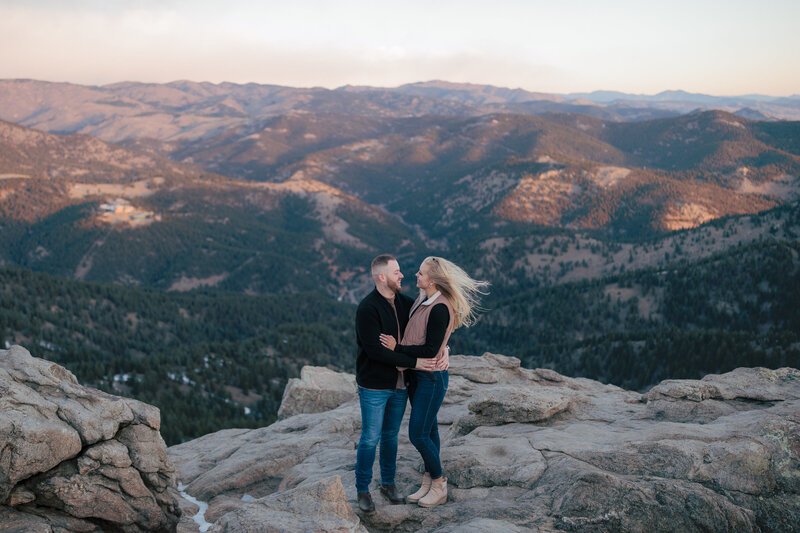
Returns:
<point x="381" y="387"/>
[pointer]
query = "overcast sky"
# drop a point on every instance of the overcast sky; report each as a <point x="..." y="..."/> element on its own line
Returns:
<point x="716" y="47"/>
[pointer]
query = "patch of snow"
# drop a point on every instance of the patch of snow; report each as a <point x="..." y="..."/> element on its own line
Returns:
<point x="609" y="176"/>
<point x="200" y="517"/>
<point x="732" y="123"/>
<point x="364" y="145"/>
<point x="48" y="345"/>
<point x="182" y="378"/>
<point x="39" y="253"/>
<point x="784" y="186"/>
<point x="187" y="284"/>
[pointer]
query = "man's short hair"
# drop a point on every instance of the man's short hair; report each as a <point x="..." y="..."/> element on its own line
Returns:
<point x="379" y="262"/>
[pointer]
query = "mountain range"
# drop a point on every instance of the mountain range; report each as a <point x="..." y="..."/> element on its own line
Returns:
<point x="224" y="179"/>
<point x="184" y="109"/>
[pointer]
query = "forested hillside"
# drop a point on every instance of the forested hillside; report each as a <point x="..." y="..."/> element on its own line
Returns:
<point x="310" y="198"/>
<point x="81" y="208"/>
<point x="215" y="359"/>
<point x="683" y="320"/>
<point x="208" y="361"/>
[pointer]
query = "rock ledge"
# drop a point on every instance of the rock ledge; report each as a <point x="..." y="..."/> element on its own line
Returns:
<point x="74" y="458"/>
<point x="531" y="450"/>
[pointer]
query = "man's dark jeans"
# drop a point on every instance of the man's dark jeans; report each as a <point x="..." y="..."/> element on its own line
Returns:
<point x="381" y="415"/>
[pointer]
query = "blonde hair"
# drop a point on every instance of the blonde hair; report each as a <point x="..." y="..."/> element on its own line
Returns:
<point x="458" y="287"/>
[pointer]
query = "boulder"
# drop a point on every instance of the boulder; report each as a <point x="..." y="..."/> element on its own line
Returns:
<point x="75" y="458"/>
<point x="507" y="404"/>
<point x="317" y="390"/>
<point x="493" y="368"/>
<point x="321" y="507"/>
<point x="719" y="395"/>
<point x="254" y="462"/>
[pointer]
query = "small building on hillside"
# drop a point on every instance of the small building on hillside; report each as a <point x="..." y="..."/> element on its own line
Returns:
<point x="119" y="206"/>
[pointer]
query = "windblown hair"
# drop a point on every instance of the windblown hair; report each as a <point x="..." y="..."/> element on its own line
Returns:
<point x="378" y="264"/>
<point x="458" y="287"/>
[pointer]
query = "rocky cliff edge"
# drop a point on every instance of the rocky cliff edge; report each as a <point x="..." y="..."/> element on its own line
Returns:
<point x="74" y="458"/>
<point x="524" y="450"/>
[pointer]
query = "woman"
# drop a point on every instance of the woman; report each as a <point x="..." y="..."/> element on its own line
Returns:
<point x="447" y="300"/>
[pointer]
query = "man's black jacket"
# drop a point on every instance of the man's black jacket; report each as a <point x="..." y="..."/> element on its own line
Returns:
<point x="376" y="365"/>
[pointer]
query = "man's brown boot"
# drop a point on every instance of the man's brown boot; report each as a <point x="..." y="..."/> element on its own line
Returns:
<point x="390" y="491"/>
<point x="365" y="502"/>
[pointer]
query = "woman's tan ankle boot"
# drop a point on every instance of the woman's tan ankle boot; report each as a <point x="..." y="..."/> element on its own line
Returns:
<point x="437" y="495"/>
<point x="423" y="490"/>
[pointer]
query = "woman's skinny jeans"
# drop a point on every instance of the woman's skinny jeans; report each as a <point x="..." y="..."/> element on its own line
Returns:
<point x="426" y="394"/>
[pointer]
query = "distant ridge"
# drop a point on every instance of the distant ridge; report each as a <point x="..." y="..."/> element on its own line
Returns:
<point x="475" y="93"/>
<point x="186" y="109"/>
<point x="669" y="95"/>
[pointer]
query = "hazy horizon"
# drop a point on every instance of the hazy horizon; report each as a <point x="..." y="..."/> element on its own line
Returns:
<point x="573" y="47"/>
<point x="796" y="95"/>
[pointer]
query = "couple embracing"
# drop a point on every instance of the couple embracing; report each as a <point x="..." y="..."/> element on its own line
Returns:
<point x="403" y="355"/>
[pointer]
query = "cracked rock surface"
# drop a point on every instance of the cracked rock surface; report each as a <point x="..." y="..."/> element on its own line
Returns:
<point x="74" y="458"/>
<point x="530" y="450"/>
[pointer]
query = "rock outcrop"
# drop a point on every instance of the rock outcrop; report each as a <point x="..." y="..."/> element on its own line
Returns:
<point x="530" y="450"/>
<point x="317" y="390"/>
<point x="74" y="458"/>
<point x="319" y="507"/>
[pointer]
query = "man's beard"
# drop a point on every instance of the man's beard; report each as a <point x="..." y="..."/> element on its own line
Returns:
<point x="398" y="287"/>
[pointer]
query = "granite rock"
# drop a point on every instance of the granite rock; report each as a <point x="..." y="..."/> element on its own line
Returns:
<point x="317" y="390"/>
<point x="532" y="450"/>
<point x="74" y="458"/>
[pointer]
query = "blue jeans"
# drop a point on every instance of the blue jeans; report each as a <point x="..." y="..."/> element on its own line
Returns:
<point x="427" y="393"/>
<point x="381" y="414"/>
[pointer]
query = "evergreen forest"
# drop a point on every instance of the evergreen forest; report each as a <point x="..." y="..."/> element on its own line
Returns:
<point x="211" y="359"/>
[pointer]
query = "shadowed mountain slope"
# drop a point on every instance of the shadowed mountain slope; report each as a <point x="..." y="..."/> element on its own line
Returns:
<point x="76" y="206"/>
